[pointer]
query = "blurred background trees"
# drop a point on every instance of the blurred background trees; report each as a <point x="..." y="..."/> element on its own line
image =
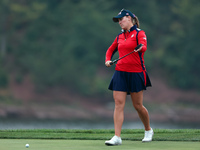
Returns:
<point x="62" y="43"/>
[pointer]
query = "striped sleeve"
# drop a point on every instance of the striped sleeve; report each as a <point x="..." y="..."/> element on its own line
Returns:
<point x="142" y="39"/>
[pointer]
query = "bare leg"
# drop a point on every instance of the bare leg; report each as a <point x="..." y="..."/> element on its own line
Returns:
<point x="120" y="99"/>
<point x="137" y="100"/>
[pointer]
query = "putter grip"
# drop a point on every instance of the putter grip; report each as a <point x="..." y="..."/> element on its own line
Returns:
<point x="137" y="47"/>
<point x="114" y="61"/>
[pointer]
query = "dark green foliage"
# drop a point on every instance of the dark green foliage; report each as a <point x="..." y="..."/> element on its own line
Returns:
<point x="63" y="43"/>
<point x="3" y="78"/>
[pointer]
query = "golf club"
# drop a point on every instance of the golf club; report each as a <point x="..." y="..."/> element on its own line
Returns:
<point x="114" y="61"/>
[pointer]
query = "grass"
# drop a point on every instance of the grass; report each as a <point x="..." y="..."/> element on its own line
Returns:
<point x="37" y="144"/>
<point x="62" y="139"/>
<point x="98" y="134"/>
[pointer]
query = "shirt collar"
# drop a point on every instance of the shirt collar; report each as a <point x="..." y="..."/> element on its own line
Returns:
<point x="131" y="29"/>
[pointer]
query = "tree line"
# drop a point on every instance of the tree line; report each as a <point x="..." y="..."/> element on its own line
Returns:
<point x="63" y="42"/>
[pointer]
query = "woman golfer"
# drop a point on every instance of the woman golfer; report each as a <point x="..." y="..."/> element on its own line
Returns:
<point x="130" y="75"/>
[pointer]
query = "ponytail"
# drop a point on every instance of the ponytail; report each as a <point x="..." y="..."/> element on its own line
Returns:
<point x="136" y="21"/>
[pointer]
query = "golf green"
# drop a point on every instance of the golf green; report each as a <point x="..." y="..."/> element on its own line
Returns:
<point x="38" y="144"/>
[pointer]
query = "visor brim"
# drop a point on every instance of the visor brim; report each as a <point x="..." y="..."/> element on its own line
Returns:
<point x="115" y="19"/>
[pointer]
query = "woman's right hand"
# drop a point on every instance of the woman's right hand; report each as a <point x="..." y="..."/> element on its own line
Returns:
<point x="108" y="63"/>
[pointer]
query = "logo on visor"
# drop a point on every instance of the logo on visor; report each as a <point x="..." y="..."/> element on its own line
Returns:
<point x="121" y="11"/>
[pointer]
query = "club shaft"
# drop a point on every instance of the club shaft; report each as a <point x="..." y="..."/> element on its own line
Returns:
<point x="114" y="61"/>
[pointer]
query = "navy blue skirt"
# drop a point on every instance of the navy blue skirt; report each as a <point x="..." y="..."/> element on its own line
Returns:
<point x="129" y="81"/>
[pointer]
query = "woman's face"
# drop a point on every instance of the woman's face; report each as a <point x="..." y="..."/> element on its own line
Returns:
<point x="125" y="22"/>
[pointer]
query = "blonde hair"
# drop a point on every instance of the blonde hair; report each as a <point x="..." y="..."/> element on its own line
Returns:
<point x="135" y="20"/>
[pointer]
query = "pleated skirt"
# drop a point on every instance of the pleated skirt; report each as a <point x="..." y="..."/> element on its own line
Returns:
<point x="129" y="81"/>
